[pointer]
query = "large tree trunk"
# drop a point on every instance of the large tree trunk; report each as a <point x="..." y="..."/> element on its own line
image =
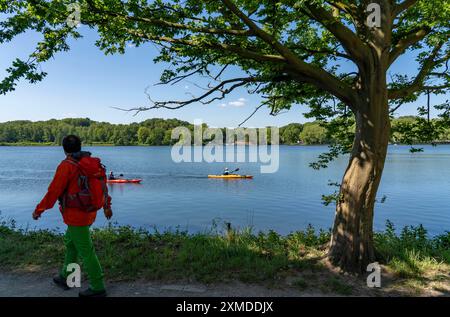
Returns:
<point x="351" y="245"/>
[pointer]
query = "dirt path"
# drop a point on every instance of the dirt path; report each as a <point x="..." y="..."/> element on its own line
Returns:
<point x="32" y="284"/>
<point x="40" y="284"/>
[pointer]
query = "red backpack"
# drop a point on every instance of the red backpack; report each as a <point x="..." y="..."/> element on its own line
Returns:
<point x="93" y="191"/>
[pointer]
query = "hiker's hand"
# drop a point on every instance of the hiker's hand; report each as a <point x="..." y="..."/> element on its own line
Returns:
<point x="35" y="215"/>
<point x="108" y="213"/>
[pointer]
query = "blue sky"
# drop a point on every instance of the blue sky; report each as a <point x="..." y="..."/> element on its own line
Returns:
<point x="85" y="83"/>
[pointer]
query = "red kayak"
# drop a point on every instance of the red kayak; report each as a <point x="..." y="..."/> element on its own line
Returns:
<point x="124" y="181"/>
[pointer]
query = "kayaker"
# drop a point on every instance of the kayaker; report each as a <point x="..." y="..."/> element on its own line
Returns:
<point x="226" y="171"/>
<point x="78" y="214"/>
<point x="111" y="176"/>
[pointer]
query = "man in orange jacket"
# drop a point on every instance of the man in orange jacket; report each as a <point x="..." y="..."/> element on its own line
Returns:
<point x="77" y="238"/>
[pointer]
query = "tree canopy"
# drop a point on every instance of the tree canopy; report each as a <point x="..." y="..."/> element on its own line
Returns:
<point x="291" y="51"/>
<point x="149" y="132"/>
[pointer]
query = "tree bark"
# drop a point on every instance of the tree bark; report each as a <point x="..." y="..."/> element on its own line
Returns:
<point x="351" y="246"/>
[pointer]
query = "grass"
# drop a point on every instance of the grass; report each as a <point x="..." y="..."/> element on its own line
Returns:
<point x="412" y="254"/>
<point x="338" y="286"/>
<point x="301" y="284"/>
<point x="127" y="253"/>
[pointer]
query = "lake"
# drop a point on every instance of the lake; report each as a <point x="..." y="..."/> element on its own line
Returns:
<point x="416" y="189"/>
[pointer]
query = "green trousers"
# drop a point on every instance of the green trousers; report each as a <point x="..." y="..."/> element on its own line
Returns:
<point x="78" y="243"/>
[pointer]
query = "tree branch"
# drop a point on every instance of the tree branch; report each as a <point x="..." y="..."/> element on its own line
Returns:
<point x="322" y="51"/>
<point x="177" y="79"/>
<point x="410" y="39"/>
<point x="405" y="5"/>
<point x="287" y="59"/>
<point x="220" y="88"/>
<point x="393" y="110"/>
<point x="242" y="52"/>
<point x="350" y="41"/>
<point x="179" y="26"/>
<point x="316" y="76"/>
<point x="348" y="8"/>
<point x="434" y="88"/>
<point x="418" y="82"/>
<point x="252" y="114"/>
<point x="266" y="37"/>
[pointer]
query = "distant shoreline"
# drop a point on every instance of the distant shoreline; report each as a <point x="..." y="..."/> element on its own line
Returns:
<point x="37" y="144"/>
<point x="158" y="132"/>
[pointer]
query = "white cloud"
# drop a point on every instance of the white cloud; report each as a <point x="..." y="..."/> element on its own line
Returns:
<point x="241" y="102"/>
<point x="238" y="103"/>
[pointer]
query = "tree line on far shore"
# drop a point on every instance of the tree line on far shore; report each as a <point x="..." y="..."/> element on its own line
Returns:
<point x="158" y="132"/>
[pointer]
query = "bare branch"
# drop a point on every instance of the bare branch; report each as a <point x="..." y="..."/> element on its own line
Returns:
<point x="221" y="72"/>
<point x="220" y="88"/>
<point x="136" y="110"/>
<point x="252" y="114"/>
<point x="177" y="79"/>
<point x="391" y="111"/>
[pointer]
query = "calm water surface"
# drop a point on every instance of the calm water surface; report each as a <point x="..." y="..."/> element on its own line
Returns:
<point x="416" y="186"/>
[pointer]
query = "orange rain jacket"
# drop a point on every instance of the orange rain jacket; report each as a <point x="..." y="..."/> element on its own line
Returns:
<point x="66" y="178"/>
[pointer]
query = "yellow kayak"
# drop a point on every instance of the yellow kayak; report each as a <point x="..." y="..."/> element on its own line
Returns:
<point x="230" y="176"/>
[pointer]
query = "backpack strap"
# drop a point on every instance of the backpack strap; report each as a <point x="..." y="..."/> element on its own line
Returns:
<point x="105" y="187"/>
<point x="72" y="161"/>
<point x="65" y="193"/>
<point x="80" y="170"/>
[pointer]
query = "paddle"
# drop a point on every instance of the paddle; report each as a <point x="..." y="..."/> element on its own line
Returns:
<point x="237" y="169"/>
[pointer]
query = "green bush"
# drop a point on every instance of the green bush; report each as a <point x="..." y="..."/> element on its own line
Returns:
<point x="412" y="252"/>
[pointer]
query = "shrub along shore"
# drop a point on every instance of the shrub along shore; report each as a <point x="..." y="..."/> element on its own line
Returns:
<point x="412" y="262"/>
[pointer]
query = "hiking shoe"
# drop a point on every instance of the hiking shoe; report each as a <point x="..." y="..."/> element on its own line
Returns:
<point x="61" y="282"/>
<point x="91" y="293"/>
